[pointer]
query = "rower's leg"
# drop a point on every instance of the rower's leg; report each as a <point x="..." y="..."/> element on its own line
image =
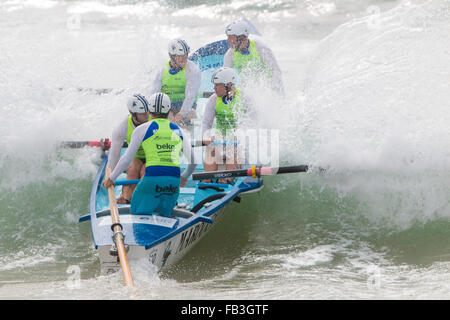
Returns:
<point x="231" y="163"/>
<point x="133" y="173"/>
<point x="144" y="200"/>
<point x="209" y="160"/>
<point x="169" y="196"/>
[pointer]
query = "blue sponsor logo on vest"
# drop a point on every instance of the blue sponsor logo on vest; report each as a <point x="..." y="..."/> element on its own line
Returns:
<point x="165" y="146"/>
<point x="166" y="189"/>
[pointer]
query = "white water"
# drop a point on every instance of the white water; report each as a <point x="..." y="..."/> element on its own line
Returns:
<point x="368" y="98"/>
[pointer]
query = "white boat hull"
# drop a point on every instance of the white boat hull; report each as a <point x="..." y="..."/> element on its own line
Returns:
<point x="164" y="254"/>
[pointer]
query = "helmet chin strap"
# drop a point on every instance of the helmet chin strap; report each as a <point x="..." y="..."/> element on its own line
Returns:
<point x="228" y="88"/>
<point x="239" y="42"/>
<point x="174" y="64"/>
<point x="135" y="119"/>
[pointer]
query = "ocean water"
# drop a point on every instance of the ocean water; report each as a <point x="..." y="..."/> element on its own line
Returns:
<point x="367" y="97"/>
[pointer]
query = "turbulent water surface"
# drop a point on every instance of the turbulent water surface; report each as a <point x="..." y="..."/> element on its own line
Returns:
<point x="367" y="86"/>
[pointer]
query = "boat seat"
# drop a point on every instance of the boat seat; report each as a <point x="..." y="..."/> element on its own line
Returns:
<point x="122" y="210"/>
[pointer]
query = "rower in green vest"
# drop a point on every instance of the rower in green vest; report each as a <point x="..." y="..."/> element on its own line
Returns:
<point x="139" y="114"/>
<point x="162" y="142"/>
<point x="180" y="79"/>
<point x="226" y="106"/>
<point x="252" y="59"/>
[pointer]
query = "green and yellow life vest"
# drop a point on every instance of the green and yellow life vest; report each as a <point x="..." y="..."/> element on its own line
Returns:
<point x="174" y="85"/>
<point x="227" y="114"/>
<point x="140" y="153"/>
<point x="250" y="63"/>
<point x="163" y="148"/>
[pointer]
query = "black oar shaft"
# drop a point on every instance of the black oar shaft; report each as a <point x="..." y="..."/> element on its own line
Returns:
<point x="290" y="169"/>
<point x="254" y="171"/>
<point x="219" y="174"/>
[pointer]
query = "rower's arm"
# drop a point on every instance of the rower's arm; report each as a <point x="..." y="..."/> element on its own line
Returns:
<point x="157" y="82"/>
<point x="189" y="154"/>
<point x="136" y="140"/>
<point x="208" y="115"/>
<point x="193" y="81"/>
<point x="118" y="136"/>
<point x="269" y="60"/>
<point x="228" y="58"/>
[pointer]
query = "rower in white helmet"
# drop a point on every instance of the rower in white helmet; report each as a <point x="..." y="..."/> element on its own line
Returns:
<point x="227" y="106"/>
<point x="162" y="142"/>
<point x="180" y="79"/>
<point x="138" y="114"/>
<point x="251" y="57"/>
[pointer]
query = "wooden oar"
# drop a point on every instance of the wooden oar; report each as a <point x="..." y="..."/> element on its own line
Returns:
<point x="118" y="235"/>
<point x="250" y="172"/>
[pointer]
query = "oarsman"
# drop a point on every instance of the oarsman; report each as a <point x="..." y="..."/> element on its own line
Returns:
<point x="162" y="142"/>
<point x="139" y="114"/>
<point x="252" y="59"/>
<point x="226" y="106"/>
<point x="180" y="79"/>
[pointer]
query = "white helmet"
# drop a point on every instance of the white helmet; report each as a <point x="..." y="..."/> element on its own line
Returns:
<point x="178" y="47"/>
<point x="137" y="104"/>
<point x="237" y="28"/>
<point x="224" y="75"/>
<point x="159" y="103"/>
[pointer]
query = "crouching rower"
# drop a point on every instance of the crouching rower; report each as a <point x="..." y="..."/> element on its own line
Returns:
<point x="252" y="58"/>
<point x="162" y="142"/>
<point x="180" y="79"/>
<point x="227" y="105"/>
<point x="139" y="114"/>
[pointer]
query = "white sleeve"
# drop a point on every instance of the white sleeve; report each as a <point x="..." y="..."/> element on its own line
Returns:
<point x="193" y="80"/>
<point x="118" y="136"/>
<point x="269" y="60"/>
<point x="157" y="82"/>
<point x="228" y="58"/>
<point x="189" y="154"/>
<point x="136" y="140"/>
<point x="209" y="114"/>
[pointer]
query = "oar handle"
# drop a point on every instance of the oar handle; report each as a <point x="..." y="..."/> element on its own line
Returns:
<point x="250" y="172"/>
<point x="105" y="144"/>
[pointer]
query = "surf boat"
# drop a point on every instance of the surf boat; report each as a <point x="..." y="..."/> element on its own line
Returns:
<point x="162" y="241"/>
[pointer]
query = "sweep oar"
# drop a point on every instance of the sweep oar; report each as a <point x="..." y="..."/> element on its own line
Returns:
<point x="105" y="144"/>
<point x="118" y="237"/>
<point x="250" y="172"/>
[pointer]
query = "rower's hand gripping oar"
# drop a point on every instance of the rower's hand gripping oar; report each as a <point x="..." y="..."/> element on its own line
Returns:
<point x="250" y="172"/>
<point x="118" y="237"/>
